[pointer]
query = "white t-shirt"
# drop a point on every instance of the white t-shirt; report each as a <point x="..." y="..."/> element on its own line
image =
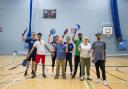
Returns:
<point x="40" y="45"/>
<point x="85" y="50"/>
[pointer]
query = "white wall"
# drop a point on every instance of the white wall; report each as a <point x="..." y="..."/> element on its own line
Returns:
<point x="90" y="14"/>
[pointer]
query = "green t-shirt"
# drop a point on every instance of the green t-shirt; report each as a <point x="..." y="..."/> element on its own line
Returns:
<point x="77" y="43"/>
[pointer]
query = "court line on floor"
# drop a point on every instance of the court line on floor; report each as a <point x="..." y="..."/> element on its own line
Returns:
<point x="115" y="76"/>
<point x="93" y="66"/>
<point x="11" y="74"/>
<point x="118" y="81"/>
<point x="121" y="71"/>
<point x="1" y="69"/>
<point x="7" y="77"/>
<point x="14" y="81"/>
<point x="107" y="85"/>
<point x="11" y="81"/>
<point x="8" y="64"/>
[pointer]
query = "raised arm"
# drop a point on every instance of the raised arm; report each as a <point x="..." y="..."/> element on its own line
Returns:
<point x="23" y="38"/>
<point x="73" y="37"/>
<point x="49" y="39"/>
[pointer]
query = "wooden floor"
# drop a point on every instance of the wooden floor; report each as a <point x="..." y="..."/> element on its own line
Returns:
<point x="116" y="68"/>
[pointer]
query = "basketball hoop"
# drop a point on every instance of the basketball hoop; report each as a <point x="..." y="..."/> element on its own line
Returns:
<point x="108" y="34"/>
<point x="107" y="30"/>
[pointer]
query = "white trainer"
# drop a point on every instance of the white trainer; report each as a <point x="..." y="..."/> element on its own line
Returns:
<point x="105" y="83"/>
<point x="52" y="74"/>
<point x="88" y="78"/>
<point x="82" y="78"/>
<point x="98" y="80"/>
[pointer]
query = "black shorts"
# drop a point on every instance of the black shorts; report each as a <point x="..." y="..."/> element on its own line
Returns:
<point x="32" y="57"/>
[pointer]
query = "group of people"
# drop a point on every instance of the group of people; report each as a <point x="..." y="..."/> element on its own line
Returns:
<point x="61" y="53"/>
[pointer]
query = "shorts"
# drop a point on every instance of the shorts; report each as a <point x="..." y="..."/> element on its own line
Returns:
<point x="32" y="57"/>
<point x="40" y="57"/>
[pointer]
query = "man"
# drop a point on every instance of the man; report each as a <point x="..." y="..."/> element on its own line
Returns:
<point x="77" y="42"/>
<point x="53" y="43"/>
<point x="40" y="44"/>
<point x="69" y="53"/>
<point x="61" y="50"/>
<point x="30" y="42"/>
<point x="99" y="57"/>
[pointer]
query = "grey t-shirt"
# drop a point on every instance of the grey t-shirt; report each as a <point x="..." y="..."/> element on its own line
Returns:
<point x="99" y="52"/>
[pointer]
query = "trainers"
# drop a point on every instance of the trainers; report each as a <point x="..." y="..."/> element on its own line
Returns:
<point x="98" y="80"/>
<point x="89" y="78"/>
<point x="25" y="73"/>
<point x="33" y="76"/>
<point x="70" y="73"/>
<point x="82" y="78"/>
<point x="56" y="77"/>
<point x="32" y="72"/>
<point x="44" y="75"/>
<point x="73" y="76"/>
<point x="64" y="78"/>
<point x="52" y="74"/>
<point x="105" y="83"/>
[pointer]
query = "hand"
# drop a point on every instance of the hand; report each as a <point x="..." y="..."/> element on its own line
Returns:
<point x="62" y="36"/>
<point x="49" y="35"/>
<point x="52" y="54"/>
<point x="22" y="34"/>
<point x="27" y="57"/>
<point x="66" y="45"/>
<point x="92" y="61"/>
<point x="75" y="31"/>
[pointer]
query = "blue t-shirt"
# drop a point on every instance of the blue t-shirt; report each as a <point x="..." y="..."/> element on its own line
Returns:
<point x="61" y="51"/>
<point x="30" y="42"/>
<point x="70" y="48"/>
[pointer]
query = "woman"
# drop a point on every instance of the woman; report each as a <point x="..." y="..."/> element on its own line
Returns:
<point x="85" y="60"/>
<point x="54" y="43"/>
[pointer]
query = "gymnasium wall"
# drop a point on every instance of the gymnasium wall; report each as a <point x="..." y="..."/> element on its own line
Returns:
<point x="90" y="14"/>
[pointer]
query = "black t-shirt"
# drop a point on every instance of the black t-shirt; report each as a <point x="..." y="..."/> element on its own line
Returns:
<point x="30" y="42"/>
<point x="54" y="44"/>
<point x="70" y="48"/>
